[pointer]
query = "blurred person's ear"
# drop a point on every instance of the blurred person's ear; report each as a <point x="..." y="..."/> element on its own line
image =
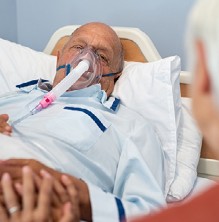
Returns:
<point x="202" y="72"/>
<point x="202" y="104"/>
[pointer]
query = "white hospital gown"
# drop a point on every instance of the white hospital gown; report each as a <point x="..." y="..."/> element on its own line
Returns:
<point x="100" y="141"/>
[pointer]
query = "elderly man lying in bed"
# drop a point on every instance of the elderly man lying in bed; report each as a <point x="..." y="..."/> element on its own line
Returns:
<point x="113" y="156"/>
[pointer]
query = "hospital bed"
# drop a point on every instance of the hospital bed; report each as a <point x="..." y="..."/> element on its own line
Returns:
<point x="138" y="47"/>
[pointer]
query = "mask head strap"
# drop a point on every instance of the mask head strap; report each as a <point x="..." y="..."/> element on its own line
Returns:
<point x="111" y="74"/>
<point x="60" y="67"/>
<point x="67" y="67"/>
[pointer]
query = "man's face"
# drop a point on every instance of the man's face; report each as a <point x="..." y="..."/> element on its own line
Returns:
<point x="98" y="38"/>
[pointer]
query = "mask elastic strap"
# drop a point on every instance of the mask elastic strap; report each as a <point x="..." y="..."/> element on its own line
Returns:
<point x="60" y="67"/>
<point x="111" y="74"/>
<point x="67" y="66"/>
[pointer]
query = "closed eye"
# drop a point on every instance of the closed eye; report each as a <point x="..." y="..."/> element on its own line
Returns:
<point x="76" y="47"/>
<point x="103" y="59"/>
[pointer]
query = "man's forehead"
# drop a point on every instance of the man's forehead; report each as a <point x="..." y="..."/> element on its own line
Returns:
<point x="92" y="39"/>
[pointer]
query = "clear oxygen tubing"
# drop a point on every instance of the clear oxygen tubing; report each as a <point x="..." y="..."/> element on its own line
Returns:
<point x="64" y="85"/>
<point x="39" y="147"/>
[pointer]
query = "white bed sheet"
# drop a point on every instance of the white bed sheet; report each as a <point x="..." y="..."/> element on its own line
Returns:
<point x="201" y="184"/>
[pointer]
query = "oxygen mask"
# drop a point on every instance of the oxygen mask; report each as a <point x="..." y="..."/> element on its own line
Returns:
<point x="89" y="77"/>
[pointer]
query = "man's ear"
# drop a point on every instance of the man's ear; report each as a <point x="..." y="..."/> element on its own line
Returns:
<point x="116" y="77"/>
<point x="203" y="72"/>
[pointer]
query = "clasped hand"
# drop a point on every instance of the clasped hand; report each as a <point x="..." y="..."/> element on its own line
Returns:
<point x="38" y="198"/>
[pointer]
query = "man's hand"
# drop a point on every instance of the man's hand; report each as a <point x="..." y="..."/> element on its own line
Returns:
<point x="5" y="128"/>
<point x="14" y="168"/>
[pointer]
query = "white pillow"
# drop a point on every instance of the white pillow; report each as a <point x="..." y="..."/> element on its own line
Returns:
<point x="21" y="64"/>
<point x="152" y="89"/>
<point x="188" y="154"/>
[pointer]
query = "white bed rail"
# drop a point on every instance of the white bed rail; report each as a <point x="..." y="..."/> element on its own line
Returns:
<point x="208" y="168"/>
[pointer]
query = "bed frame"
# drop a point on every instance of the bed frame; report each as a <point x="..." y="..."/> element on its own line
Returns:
<point x="139" y="47"/>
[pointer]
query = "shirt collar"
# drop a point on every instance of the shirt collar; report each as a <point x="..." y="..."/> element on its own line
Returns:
<point x="93" y="91"/>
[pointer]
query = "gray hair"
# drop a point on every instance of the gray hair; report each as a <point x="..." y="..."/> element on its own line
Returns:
<point x="203" y="25"/>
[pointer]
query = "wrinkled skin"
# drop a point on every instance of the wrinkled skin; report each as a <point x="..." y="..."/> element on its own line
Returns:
<point x="101" y="39"/>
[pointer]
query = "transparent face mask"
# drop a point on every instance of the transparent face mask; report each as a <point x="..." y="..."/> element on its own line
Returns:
<point x="90" y="77"/>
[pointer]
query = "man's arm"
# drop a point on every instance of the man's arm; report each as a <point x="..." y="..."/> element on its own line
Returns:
<point x="14" y="166"/>
<point x="135" y="190"/>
